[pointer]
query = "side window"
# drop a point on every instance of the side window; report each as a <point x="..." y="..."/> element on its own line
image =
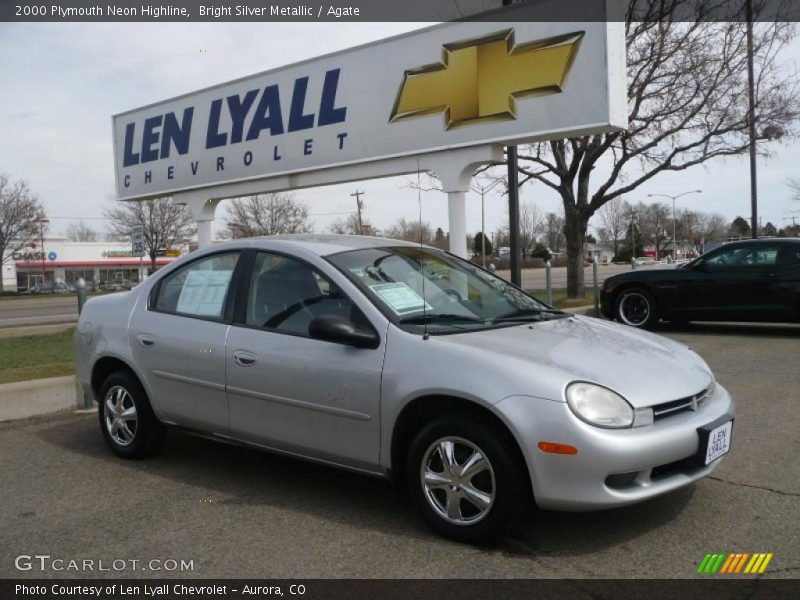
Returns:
<point x="726" y="257"/>
<point x="199" y="289"/>
<point x="789" y="254"/>
<point x="763" y="256"/>
<point x="285" y="295"/>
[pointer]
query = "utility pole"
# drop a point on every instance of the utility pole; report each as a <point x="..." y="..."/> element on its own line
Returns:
<point x="751" y="117"/>
<point x="359" y="205"/>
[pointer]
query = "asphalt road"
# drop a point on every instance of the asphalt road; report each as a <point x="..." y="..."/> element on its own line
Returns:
<point x="238" y="512"/>
<point x="36" y="311"/>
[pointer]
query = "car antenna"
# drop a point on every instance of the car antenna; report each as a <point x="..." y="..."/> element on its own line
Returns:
<point x="425" y="335"/>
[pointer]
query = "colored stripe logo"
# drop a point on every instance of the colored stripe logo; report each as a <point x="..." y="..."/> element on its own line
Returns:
<point x="734" y="563"/>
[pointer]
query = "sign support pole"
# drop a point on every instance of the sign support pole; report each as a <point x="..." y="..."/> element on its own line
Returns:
<point x="513" y="215"/>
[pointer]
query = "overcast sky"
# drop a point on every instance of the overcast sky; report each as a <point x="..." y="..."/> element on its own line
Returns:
<point x="62" y="82"/>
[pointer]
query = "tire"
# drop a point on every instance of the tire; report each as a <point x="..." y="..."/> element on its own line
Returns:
<point x="503" y="481"/>
<point x="635" y="306"/>
<point x="141" y="433"/>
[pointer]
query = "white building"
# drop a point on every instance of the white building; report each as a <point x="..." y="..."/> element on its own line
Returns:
<point x="99" y="263"/>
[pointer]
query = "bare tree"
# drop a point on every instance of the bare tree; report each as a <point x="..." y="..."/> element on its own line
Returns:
<point x="81" y="232"/>
<point x="531" y="226"/>
<point x="411" y="231"/>
<point x="266" y="214"/>
<point x="712" y="226"/>
<point x="554" y="232"/>
<point x="613" y="216"/>
<point x="164" y="221"/>
<point x="349" y="225"/>
<point x="687" y="104"/>
<point x="20" y="214"/>
<point x="794" y="188"/>
<point x="655" y="221"/>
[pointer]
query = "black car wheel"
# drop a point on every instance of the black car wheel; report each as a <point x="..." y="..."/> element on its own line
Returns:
<point x="635" y="307"/>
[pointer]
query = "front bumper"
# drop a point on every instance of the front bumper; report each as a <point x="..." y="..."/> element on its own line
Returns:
<point x="606" y="304"/>
<point x="613" y="467"/>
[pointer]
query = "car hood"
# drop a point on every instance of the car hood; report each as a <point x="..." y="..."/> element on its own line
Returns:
<point x="645" y="368"/>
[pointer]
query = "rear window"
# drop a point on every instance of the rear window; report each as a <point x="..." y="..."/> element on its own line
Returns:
<point x="198" y="289"/>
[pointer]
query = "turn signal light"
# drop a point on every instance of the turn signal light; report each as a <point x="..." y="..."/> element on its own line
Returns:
<point x="554" y="448"/>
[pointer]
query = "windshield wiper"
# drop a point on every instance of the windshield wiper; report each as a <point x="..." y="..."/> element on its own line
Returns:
<point x="430" y="317"/>
<point x="527" y="314"/>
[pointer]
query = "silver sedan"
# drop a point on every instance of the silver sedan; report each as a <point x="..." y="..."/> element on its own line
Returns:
<point x="402" y="361"/>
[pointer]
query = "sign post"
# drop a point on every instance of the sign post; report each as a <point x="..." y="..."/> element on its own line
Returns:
<point x="137" y="247"/>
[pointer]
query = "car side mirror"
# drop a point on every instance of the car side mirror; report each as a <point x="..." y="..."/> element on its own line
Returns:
<point x="332" y="328"/>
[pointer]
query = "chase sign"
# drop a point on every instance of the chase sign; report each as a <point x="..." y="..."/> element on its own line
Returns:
<point x="448" y="86"/>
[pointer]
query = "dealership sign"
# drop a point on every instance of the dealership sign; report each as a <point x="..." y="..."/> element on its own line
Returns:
<point x="448" y="86"/>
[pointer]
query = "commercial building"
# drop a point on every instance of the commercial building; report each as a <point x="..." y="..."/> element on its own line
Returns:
<point x="100" y="264"/>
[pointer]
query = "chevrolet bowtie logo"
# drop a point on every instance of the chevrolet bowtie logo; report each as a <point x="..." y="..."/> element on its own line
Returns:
<point x="481" y="79"/>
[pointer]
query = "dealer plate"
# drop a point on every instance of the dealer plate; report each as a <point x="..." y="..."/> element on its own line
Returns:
<point x="719" y="442"/>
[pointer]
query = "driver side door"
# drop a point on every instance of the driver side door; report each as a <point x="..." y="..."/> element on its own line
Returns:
<point x="293" y="393"/>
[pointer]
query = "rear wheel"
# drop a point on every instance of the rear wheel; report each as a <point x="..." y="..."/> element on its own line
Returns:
<point x="635" y="306"/>
<point x="465" y="478"/>
<point x="127" y="421"/>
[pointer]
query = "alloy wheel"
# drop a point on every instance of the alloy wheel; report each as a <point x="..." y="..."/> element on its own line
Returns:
<point x="458" y="481"/>
<point x="120" y="415"/>
<point x="634" y="309"/>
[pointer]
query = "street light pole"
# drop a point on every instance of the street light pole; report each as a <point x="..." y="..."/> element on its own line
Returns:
<point x="482" y="191"/>
<point x="674" y="214"/>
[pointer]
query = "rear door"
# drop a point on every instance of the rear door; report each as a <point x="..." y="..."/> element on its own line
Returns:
<point x="178" y="340"/>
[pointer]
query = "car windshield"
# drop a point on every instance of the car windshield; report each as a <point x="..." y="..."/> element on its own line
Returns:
<point x="421" y="289"/>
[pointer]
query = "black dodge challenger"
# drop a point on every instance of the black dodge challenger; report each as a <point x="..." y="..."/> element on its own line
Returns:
<point x="754" y="280"/>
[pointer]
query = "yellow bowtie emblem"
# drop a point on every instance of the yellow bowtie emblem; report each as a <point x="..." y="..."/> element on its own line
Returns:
<point x="481" y="79"/>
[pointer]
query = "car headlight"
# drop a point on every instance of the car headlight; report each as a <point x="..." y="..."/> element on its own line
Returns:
<point x="599" y="406"/>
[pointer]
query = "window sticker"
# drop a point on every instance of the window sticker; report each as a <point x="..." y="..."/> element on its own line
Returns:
<point x="203" y="292"/>
<point x="400" y="298"/>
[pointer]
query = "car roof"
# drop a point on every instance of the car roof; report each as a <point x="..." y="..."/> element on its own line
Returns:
<point x="793" y="240"/>
<point x="319" y="244"/>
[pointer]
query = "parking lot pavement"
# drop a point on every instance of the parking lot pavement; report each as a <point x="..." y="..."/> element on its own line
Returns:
<point x="238" y="512"/>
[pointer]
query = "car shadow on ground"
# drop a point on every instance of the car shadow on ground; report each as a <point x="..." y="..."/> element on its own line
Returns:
<point x="775" y="330"/>
<point x="236" y="475"/>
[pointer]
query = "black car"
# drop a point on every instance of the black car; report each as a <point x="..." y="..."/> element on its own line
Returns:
<point x="755" y="280"/>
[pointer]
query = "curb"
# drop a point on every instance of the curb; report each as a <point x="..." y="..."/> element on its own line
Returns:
<point x="23" y="399"/>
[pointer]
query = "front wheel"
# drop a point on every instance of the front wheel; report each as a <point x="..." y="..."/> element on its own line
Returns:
<point x="466" y="478"/>
<point x="636" y="307"/>
<point x="127" y="421"/>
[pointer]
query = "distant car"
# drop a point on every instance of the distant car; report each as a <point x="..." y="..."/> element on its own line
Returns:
<point x="755" y="280"/>
<point x="645" y="260"/>
<point x="402" y="361"/>
<point x="51" y="288"/>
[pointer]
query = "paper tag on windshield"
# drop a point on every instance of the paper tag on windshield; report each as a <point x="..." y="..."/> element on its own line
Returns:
<point x="400" y="298"/>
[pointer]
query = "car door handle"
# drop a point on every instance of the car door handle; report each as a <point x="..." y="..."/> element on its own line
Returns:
<point x="147" y="341"/>
<point x="244" y="359"/>
<point x="768" y="275"/>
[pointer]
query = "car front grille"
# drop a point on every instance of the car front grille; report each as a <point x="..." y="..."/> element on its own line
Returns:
<point x="674" y="407"/>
